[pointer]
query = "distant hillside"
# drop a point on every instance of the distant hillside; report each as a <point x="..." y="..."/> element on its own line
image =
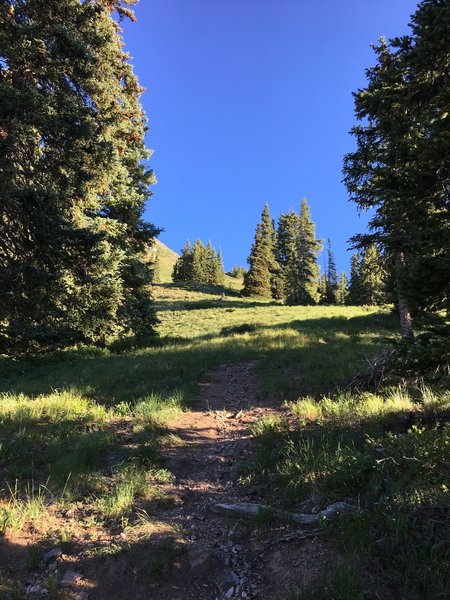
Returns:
<point x="166" y="259"/>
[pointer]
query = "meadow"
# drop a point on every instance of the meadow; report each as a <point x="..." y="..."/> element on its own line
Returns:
<point x="81" y="434"/>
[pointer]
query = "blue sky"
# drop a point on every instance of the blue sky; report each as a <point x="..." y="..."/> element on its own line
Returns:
<point x="249" y="101"/>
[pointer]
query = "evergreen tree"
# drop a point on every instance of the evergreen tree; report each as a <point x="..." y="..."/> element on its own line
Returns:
<point x="220" y="274"/>
<point x="372" y="277"/>
<point x="263" y="273"/>
<point x="210" y="267"/>
<point x="199" y="268"/>
<point x="303" y="275"/>
<point x="257" y="278"/>
<point x="182" y="269"/>
<point x="322" y="289"/>
<point x="238" y="272"/>
<point x="199" y="264"/>
<point x="73" y="185"/>
<point x="342" y="291"/>
<point x="400" y="168"/>
<point x="286" y="249"/>
<point x="354" y="291"/>
<point x="331" y="278"/>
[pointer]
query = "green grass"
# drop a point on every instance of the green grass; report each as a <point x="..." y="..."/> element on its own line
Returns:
<point x="389" y="454"/>
<point x="86" y="426"/>
<point x="59" y="415"/>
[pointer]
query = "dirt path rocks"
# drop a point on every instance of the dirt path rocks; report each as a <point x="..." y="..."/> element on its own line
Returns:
<point x="228" y="558"/>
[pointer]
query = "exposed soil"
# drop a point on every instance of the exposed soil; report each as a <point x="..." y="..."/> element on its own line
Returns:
<point x="227" y="558"/>
<point x="196" y="553"/>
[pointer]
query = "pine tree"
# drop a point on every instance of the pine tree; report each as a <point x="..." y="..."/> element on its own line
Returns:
<point x="372" y="277"/>
<point x="286" y="249"/>
<point x="331" y="277"/>
<point x="73" y="185"/>
<point x="261" y="279"/>
<point x="182" y="269"/>
<point x="303" y="276"/>
<point x="354" y="291"/>
<point x="220" y="274"/>
<point x="342" y="291"/>
<point x="257" y="278"/>
<point x="210" y="266"/>
<point x="199" y="264"/>
<point x="322" y="289"/>
<point x="199" y="268"/>
<point x="400" y="167"/>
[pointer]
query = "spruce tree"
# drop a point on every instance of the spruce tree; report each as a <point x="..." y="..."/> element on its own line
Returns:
<point x="220" y="274"/>
<point x="73" y="185"/>
<point x="286" y="250"/>
<point x="182" y="269"/>
<point x="400" y="167"/>
<point x="199" y="266"/>
<point x="331" y="278"/>
<point x="210" y="266"/>
<point x="262" y="277"/>
<point x="342" y="291"/>
<point x="257" y="278"/>
<point x="372" y="277"/>
<point x="303" y="275"/>
<point x="354" y="288"/>
<point x="322" y="289"/>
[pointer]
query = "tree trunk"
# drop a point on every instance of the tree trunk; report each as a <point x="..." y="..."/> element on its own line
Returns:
<point x="405" y="316"/>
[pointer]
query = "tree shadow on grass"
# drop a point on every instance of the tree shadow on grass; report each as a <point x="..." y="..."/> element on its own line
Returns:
<point x="325" y="354"/>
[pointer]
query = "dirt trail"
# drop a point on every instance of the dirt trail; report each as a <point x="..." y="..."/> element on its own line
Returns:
<point x="190" y="551"/>
<point x="226" y="558"/>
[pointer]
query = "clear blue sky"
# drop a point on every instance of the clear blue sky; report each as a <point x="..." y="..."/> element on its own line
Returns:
<point x="249" y="101"/>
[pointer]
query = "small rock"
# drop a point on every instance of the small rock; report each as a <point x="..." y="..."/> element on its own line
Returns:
<point x="34" y="589"/>
<point x="70" y="577"/>
<point x="225" y="581"/>
<point x="52" y="555"/>
<point x="230" y="593"/>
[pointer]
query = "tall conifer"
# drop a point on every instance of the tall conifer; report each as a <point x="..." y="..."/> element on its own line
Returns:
<point x="303" y="275"/>
<point x="73" y="185"/>
<point x="331" y="278"/>
<point x="261" y="278"/>
<point x="286" y="250"/>
<point x="342" y="290"/>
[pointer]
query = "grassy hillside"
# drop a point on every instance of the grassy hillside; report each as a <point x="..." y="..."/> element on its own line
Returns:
<point x="166" y="259"/>
<point x="85" y="429"/>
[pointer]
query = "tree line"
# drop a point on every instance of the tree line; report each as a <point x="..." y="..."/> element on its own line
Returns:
<point x="73" y="181"/>
<point x="199" y="264"/>
<point x="283" y="264"/>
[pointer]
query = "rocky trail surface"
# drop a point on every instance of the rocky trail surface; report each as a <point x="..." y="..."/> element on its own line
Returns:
<point x="196" y="552"/>
<point x="229" y="558"/>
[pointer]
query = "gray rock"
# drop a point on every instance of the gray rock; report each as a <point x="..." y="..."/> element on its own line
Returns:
<point x="52" y="555"/>
<point x="225" y="581"/>
<point x="34" y="589"/>
<point x="70" y="578"/>
<point x="203" y="560"/>
<point x="230" y="593"/>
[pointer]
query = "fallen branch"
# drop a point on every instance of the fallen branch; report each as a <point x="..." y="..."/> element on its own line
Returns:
<point x="248" y="509"/>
